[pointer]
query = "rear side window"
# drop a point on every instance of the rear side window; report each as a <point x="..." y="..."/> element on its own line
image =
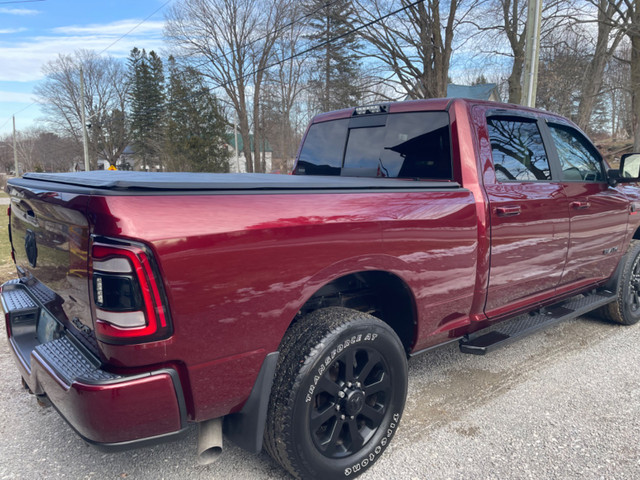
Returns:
<point x="518" y="150"/>
<point x="323" y="149"/>
<point x="401" y="145"/>
<point x="579" y="160"/>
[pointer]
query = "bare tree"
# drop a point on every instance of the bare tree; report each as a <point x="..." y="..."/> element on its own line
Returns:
<point x="40" y="151"/>
<point x="561" y="72"/>
<point x="417" y="43"/>
<point x="616" y="84"/>
<point x="611" y="23"/>
<point x="632" y="9"/>
<point x="233" y="42"/>
<point x="283" y="86"/>
<point x="105" y="99"/>
<point x="502" y="20"/>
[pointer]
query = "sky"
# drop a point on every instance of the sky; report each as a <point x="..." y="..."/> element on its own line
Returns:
<point x="34" y="32"/>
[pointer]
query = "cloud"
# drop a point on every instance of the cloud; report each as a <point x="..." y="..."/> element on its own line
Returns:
<point x="19" y="11"/>
<point x="15" y="97"/>
<point x="116" y="28"/>
<point x="25" y="59"/>
<point x="11" y="30"/>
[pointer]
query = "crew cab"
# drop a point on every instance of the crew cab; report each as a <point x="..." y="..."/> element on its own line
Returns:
<point x="281" y="309"/>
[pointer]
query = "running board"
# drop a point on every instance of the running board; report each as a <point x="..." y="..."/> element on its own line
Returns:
<point x="506" y="332"/>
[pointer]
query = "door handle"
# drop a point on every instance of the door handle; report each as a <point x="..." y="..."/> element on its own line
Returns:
<point x="580" y="205"/>
<point x="508" y="211"/>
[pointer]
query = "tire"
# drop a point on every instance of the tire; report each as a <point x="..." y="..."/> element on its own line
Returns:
<point x="625" y="310"/>
<point x="338" y="394"/>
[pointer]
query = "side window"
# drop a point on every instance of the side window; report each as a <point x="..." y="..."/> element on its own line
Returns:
<point x="323" y="149"/>
<point x="410" y="145"/>
<point x="518" y="150"/>
<point x="579" y="160"/>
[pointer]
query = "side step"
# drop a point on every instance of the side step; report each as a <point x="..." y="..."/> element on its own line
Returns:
<point x="504" y="333"/>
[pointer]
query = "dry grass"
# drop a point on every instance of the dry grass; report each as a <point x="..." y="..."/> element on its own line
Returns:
<point x="7" y="268"/>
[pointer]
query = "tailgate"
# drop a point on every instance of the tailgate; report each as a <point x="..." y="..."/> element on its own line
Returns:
<point x="50" y="239"/>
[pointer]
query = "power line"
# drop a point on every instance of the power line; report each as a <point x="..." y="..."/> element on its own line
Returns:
<point x="291" y="57"/>
<point x="134" y="28"/>
<point x="100" y="53"/>
<point x="16" y="113"/>
<point x="284" y="27"/>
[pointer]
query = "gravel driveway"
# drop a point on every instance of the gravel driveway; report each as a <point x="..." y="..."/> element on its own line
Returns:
<point x="563" y="403"/>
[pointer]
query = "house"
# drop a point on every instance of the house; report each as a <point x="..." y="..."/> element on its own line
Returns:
<point x="125" y="161"/>
<point x="484" y="91"/>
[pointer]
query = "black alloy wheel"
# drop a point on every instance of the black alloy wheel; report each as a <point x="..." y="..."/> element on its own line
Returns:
<point x="338" y="394"/>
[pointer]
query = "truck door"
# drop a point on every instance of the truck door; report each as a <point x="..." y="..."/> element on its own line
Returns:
<point x="598" y="213"/>
<point x="528" y="214"/>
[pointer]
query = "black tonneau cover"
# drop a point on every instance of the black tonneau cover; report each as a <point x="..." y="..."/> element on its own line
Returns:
<point x="182" y="181"/>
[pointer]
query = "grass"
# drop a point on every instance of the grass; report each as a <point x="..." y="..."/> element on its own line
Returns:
<point x="7" y="267"/>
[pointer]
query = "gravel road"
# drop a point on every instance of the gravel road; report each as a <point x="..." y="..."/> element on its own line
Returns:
<point x="561" y="404"/>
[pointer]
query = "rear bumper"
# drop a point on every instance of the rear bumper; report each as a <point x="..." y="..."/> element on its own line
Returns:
<point x="106" y="409"/>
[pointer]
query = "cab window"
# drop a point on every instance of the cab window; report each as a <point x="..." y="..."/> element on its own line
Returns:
<point x="518" y="151"/>
<point x="579" y="160"/>
<point x="396" y="145"/>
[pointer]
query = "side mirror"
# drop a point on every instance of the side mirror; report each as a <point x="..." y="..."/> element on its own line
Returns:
<point x="629" y="168"/>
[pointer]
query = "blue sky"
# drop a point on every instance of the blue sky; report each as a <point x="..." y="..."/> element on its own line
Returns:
<point x="35" y="32"/>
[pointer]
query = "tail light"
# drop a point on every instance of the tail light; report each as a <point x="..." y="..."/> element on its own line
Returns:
<point x="130" y="305"/>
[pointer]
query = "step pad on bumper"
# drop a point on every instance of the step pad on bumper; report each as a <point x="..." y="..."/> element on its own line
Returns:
<point x="504" y="333"/>
<point x="71" y="363"/>
<point x="16" y="301"/>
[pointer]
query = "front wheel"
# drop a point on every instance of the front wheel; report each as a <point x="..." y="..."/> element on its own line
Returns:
<point x="625" y="309"/>
<point x="338" y="394"/>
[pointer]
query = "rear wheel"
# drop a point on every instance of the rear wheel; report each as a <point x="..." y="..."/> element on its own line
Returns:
<point x="625" y="310"/>
<point x="338" y="394"/>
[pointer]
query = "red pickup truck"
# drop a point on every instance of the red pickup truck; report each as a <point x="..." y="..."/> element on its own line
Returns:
<point x="282" y="309"/>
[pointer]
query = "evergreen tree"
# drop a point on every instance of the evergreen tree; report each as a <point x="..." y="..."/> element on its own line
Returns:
<point x="196" y="128"/>
<point x="337" y="67"/>
<point x="146" y="74"/>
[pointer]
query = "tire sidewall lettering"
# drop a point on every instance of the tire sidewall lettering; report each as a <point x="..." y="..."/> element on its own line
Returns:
<point x="359" y="338"/>
<point x="377" y="450"/>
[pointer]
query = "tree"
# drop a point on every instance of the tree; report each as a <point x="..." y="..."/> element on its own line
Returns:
<point x="416" y="44"/>
<point x="106" y="94"/>
<point x="146" y="75"/>
<point x="633" y="32"/>
<point x="610" y="23"/>
<point x="560" y="74"/>
<point x="196" y="128"/>
<point x="233" y="40"/>
<point x="501" y="32"/>
<point x="617" y="87"/>
<point x="283" y="86"/>
<point x="336" y="64"/>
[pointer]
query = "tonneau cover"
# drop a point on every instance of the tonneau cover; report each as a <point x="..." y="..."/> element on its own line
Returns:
<point x="153" y="181"/>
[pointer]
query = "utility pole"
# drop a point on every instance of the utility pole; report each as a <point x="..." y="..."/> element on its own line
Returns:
<point x="532" y="53"/>
<point x="235" y="133"/>
<point x="85" y="139"/>
<point x="15" y="149"/>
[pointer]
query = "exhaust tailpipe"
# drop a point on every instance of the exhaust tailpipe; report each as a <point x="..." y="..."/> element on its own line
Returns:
<point x="209" y="441"/>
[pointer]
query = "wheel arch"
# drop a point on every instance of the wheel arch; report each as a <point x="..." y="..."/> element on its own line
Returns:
<point x="380" y="293"/>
